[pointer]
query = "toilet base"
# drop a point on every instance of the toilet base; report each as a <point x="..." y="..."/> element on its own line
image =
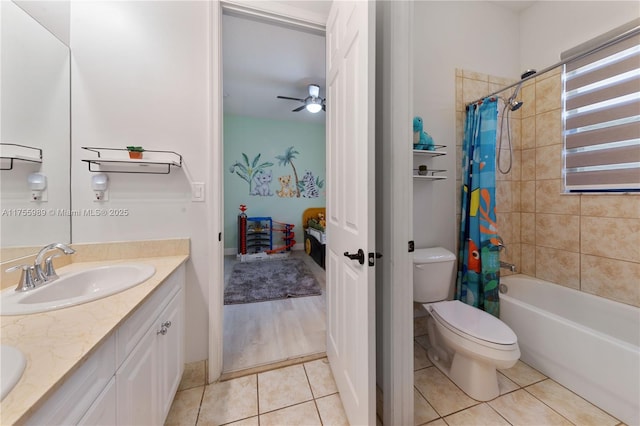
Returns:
<point x="476" y="377"/>
<point x="478" y="380"/>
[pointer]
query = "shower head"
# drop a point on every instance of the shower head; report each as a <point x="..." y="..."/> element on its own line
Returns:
<point x="515" y="105"/>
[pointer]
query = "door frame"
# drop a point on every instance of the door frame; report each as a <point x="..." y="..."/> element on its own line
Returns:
<point x="396" y="266"/>
<point x="268" y="10"/>
<point x="394" y="184"/>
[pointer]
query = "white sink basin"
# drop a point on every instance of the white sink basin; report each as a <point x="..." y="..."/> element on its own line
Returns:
<point x="12" y="363"/>
<point x="75" y="288"/>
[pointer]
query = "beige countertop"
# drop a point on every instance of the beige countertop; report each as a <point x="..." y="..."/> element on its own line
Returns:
<point x="56" y="343"/>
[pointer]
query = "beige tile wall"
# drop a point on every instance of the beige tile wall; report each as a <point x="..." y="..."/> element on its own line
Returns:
<point x="587" y="242"/>
<point x="509" y="203"/>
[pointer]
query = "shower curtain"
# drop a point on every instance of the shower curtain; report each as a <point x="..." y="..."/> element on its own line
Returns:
<point x="478" y="259"/>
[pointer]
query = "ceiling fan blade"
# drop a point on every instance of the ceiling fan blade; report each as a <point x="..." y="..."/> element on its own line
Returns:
<point x="293" y="99"/>
<point x="314" y="90"/>
<point x="299" y="108"/>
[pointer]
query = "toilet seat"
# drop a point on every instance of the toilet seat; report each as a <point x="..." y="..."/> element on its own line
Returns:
<point x="473" y="324"/>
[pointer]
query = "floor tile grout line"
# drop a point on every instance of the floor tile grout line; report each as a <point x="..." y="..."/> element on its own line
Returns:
<point x="547" y="405"/>
<point x="496" y="411"/>
<point x="313" y="395"/>
<point x="204" y="388"/>
<point x="553" y="409"/>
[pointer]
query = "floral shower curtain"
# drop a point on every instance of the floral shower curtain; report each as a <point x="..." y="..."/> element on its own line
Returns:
<point x="478" y="258"/>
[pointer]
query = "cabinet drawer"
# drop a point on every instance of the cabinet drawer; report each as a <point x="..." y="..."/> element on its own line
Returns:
<point x="134" y="328"/>
<point x="70" y="402"/>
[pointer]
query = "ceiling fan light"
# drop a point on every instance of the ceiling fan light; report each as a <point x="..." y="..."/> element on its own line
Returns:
<point x="313" y="107"/>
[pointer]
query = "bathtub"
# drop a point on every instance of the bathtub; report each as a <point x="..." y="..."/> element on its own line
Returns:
<point x="588" y="344"/>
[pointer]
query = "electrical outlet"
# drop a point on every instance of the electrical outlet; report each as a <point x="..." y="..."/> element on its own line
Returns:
<point x="101" y="196"/>
<point x="197" y="191"/>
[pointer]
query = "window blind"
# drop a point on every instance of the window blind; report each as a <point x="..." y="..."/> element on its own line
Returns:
<point x="602" y="119"/>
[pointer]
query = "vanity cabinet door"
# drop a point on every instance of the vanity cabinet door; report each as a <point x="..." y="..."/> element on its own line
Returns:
<point x="103" y="410"/>
<point x="170" y="352"/>
<point x="137" y="384"/>
<point x="70" y="402"/>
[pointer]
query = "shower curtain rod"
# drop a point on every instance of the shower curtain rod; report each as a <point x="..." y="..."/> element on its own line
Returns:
<point x="634" y="30"/>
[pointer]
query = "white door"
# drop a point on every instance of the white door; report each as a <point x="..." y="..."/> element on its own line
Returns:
<point x="350" y="205"/>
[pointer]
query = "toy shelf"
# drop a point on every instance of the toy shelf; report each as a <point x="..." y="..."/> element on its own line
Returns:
<point x="259" y="234"/>
<point x="116" y="160"/>
<point x="16" y="152"/>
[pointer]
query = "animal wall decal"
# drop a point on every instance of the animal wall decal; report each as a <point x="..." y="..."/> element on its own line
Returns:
<point x="248" y="171"/>
<point x="287" y="159"/>
<point x="285" y="190"/>
<point x="260" y="178"/>
<point x="311" y="185"/>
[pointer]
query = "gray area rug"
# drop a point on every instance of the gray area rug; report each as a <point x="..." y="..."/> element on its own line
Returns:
<point x="270" y="280"/>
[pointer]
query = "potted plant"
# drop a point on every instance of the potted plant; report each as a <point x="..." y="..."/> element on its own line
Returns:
<point x="135" y="152"/>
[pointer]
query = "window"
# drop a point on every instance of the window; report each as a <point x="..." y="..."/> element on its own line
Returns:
<point x="602" y="119"/>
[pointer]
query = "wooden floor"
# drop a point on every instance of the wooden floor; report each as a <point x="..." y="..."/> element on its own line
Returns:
<point x="258" y="334"/>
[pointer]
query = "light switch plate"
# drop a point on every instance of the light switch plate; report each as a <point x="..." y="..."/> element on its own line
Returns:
<point x="197" y="191"/>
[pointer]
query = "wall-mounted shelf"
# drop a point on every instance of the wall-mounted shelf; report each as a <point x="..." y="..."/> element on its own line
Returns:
<point x="15" y="152"/>
<point x="430" y="175"/>
<point x="116" y="160"/>
<point x="436" y="153"/>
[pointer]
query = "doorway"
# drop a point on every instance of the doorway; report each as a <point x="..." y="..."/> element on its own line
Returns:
<point x="269" y="153"/>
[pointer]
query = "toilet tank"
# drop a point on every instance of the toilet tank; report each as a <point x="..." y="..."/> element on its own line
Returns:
<point x="433" y="270"/>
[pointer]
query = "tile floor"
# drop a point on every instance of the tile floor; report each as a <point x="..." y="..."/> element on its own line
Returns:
<point x="527" y="397"/>
<point x="306" y="394"/>
<point x="303" y="394"/>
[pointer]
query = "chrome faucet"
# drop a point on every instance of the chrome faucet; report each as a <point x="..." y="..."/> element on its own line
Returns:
<point x="509" y="266"/>
<point x="34" y="275"/>
<point x="48" y="274"/>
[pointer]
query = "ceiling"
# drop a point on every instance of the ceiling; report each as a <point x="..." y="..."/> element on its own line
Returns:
<point x="262" y="60"/>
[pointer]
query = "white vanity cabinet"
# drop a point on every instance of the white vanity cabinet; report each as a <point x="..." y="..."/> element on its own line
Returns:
<point x="132" y="377"/>
<point x="102" y="412"/>
<point x="148" y="379"/>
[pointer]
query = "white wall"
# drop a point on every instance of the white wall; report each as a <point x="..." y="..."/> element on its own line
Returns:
<point x="140" y="76"/>
<point x="479" y="36"/>
<point x="548" y="28"/>
<point x="52" y="14"/>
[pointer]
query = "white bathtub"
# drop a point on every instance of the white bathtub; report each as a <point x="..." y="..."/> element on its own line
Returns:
<point x="588" y="344"/>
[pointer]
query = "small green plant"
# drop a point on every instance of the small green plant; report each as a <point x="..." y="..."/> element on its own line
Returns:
<point x="135" y="152"/>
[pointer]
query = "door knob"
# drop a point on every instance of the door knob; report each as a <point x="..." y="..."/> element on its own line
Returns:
<point x="359" y="256"/>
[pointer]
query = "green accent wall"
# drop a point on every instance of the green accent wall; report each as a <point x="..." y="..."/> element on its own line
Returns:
<point x="269" y="139"/>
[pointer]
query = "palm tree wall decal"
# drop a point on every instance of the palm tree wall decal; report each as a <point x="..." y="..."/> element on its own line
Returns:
<point x="286" y="159"/>
<point x="248" y="170"/>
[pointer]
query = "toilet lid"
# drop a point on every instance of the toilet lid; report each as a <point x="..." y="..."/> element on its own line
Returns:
<point x="474" y="322"/>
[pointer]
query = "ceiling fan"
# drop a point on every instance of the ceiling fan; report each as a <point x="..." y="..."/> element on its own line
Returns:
<point x="313" y="103"/>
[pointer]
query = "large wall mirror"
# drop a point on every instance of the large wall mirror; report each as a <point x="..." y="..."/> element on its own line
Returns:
<point x="35" y="113"/>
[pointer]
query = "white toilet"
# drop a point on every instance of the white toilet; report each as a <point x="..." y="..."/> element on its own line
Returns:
<point x="466" y="344"/>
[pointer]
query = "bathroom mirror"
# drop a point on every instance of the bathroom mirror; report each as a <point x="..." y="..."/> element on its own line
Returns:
<point x="35" y="112"/>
